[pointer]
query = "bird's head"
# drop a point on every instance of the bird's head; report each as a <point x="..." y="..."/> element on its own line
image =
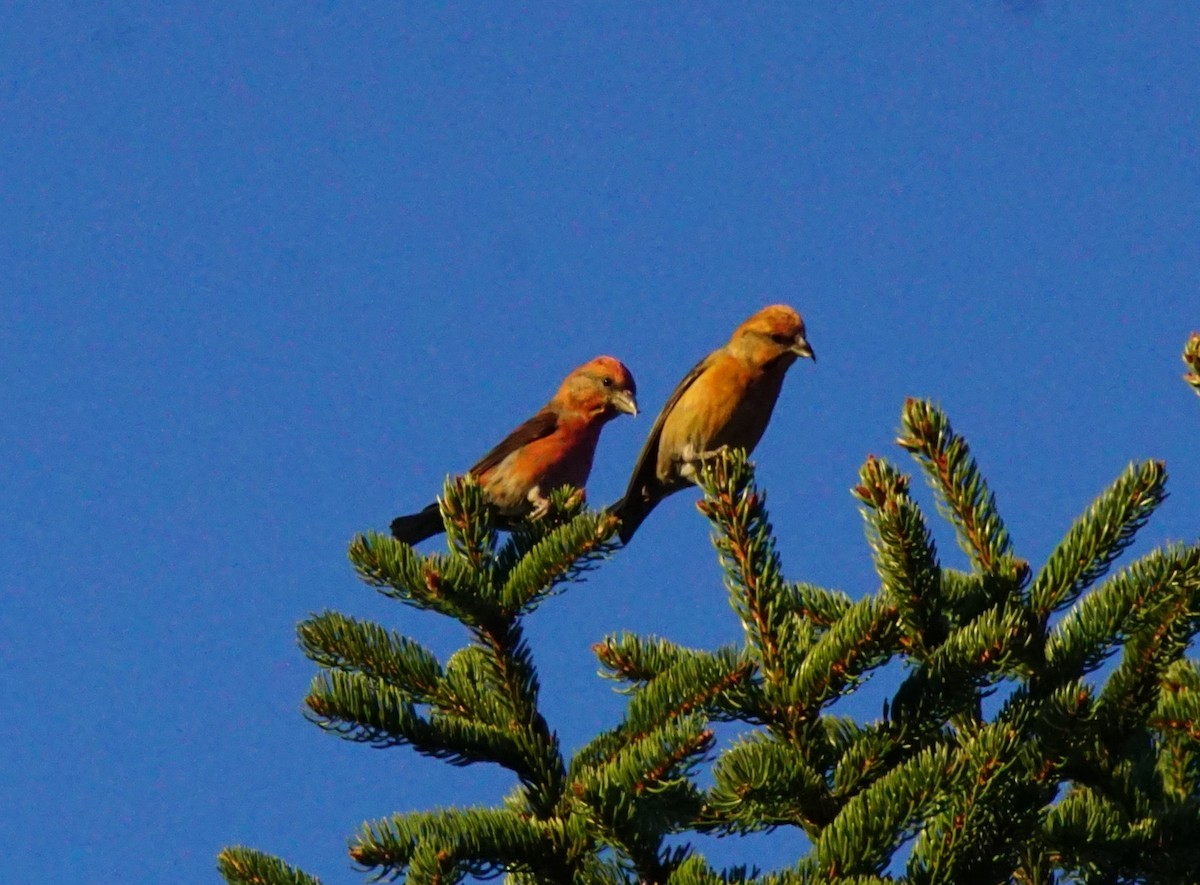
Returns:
<point x="774" y="332"/>
<point x="603" y="386"/>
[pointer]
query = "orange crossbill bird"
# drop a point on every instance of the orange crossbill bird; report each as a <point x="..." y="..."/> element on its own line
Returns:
<point x="725" y="401"/>
<point x="551" y="449"/>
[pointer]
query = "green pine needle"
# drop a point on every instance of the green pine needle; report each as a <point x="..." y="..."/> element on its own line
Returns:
<point x="963" y="494"/>
<point x="1099" y="537"/>
<point x="563" y="555"/>
<point x="468" y="518"/>
<point x="444" y="584"/>
<point x="1127" y="603"/>
<point x="369" y="711"/>
<point x="1169" y="623"/>
<point x="246" y="866"/>
<point x="337" y="642"/>
<point x="746" y="550"/>
<point x="863" y="638"/>
<point x="905" y="554"/>
<point x="861" y="839"/>
<point x="763" y="783"/>
<point x="451" y="844"/>
<point x="990" y="812"/>
<point x="636" y="659"/>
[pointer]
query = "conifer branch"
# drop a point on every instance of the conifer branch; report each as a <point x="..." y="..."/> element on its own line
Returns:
<point x="1171" y="621"/>
<point x="868" y="753"/>
<point x="467" y="516"/>
<point x="1001" y="641"/>
<point x="948" y="687"/>
<point x="469" y="690"/>
<point x="1090" y="836"/>
<point x="1114" y="611"/>
<point x="963" y="494"/>
<point x="369" y="711"/>
<point x="1098" y="537"/>
<point x="445" y="584"/>
<point x="637" y="659"/>
<point x="246" y="866"/>
<point x="566" y="504"/>
<point x="1191" y="359"/>
<point x="731" y="692"/>
<point x="863" y="638"/>
<point x="746" y="550"/>
<point x="644" y="790"/>
<point x="699" y="683"/>
<point x="980" y="789"/>
<point x="635" y="778"/>
<point x="337" y="642"/>
<point x="861" y="839"/>
<point x="993" y="810"/>
<point x="966" y="595"/>
<point x="1181" y="677"/>
<point x="514" y="678"/>
<point x="905" y="554"/>
<point x="762" y="783"/>
<point x="446" y="846"/>
<point x="1176" y="719"/>
<point x="1060" y="721"/>
<point x="696" y="871"/>
<point x="1097" y="837"/>
<point x="565" y="554"/>
<point x="1178" y="712"/>
<point x="817" y="606"/>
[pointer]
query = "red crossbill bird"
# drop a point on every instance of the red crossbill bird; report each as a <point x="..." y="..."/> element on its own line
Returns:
<point x="724" y="402"/>
<point x="553" y="448"/>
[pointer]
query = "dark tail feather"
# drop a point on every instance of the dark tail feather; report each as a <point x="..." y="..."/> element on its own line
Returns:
<point x="416" y="527"/>
<point x="631" y="510"/>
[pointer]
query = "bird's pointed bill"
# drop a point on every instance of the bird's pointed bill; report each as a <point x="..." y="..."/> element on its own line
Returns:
<point x="803" y="348"/>
<point x="623" y="401"/>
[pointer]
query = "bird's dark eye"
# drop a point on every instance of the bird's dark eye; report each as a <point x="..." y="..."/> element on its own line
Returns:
<point x="782" y="338"/>
<point x="606" y="381"/>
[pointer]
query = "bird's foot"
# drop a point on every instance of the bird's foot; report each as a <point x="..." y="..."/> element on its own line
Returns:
<point x="541" y="504"/>
<point x="693" y="461"/>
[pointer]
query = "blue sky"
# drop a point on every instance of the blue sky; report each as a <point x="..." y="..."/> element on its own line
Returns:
<point x="273" y="273"/>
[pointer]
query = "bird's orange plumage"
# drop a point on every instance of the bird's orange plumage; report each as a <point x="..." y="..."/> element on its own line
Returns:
<point x="553" y="448"/>
<point x="726" y="400"/>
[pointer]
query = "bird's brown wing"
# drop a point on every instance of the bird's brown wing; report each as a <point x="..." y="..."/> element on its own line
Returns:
<point x="416" y="527"/>
<point x="645" y="490"/>
<point x="540" y="425"/>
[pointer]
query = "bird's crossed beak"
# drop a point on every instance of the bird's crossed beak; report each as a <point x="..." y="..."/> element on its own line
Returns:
<point x="623" y="401"/>
<point x="802" y="348"/>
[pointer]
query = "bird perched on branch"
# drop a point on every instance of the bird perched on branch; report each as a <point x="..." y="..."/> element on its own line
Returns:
<point x="724" y="402"/>
<point x="553" y="448"/>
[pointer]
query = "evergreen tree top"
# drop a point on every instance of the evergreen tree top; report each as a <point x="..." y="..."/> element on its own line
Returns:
<point x="1088" y="771"/>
